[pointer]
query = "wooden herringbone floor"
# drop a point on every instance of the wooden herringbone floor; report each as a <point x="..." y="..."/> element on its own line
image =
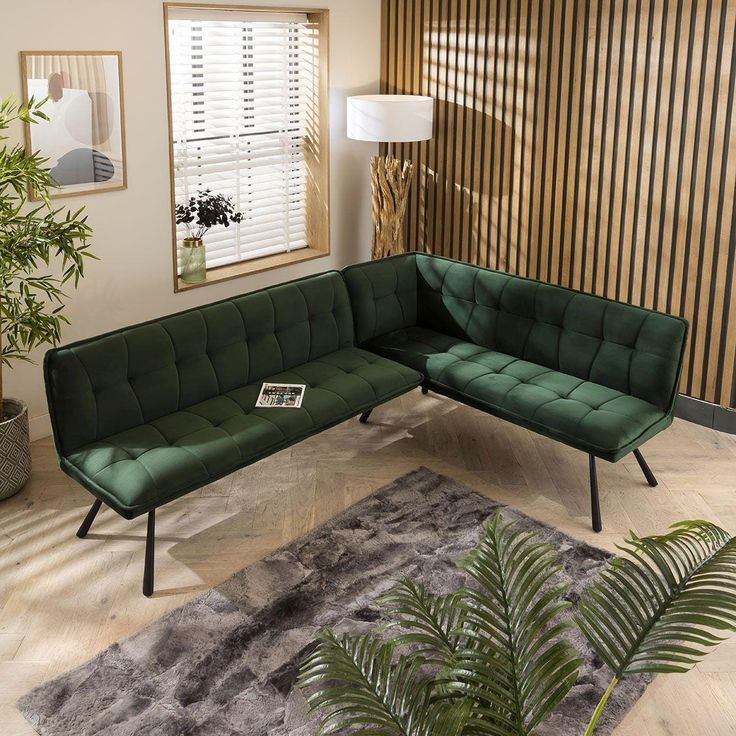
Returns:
<point x="63" y="599"/>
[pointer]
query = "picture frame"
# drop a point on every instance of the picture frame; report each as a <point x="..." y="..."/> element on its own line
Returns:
<point x="84" y="139"/>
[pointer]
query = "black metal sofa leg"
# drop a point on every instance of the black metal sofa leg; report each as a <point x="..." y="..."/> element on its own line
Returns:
<point x="150" y="541"/>
<point x="364" y="416"/>
<point x="595" y="501"/>
<point x="148" y="567"/>
<point x="645" y="469"/>
<point x="425" y="390"/>
<point x="87" y="523"/>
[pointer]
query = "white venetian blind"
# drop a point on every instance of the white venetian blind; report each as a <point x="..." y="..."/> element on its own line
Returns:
<point x="244" y="89"/>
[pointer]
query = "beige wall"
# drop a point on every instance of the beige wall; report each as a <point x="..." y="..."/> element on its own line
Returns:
<point x="132" y="281"/>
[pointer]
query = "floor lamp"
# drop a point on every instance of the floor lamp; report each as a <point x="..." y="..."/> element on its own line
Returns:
<point x="390" y="119"/>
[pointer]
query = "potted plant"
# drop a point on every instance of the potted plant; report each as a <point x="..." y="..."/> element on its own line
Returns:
<point x="199" y="214"/>
<point x="32" y="236"/>
<point x="492" y="658"/>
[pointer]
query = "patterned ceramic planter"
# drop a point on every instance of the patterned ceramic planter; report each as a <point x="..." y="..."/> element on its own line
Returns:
<point x="15" y="448"/>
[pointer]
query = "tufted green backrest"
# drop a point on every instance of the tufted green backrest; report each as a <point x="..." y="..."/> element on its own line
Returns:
<point x="383" y="295"/>
<point x="633" y="350"/>
<point x="117" y="381"/>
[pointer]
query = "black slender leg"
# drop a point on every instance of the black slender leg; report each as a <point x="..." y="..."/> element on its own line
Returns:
<point x="595" y="502"/>
<point x="645" y="469"/>
<point x="364" y="416"/>
<point x="87" y="523"/>
<point x="425" y="390"/>
<point x="148" y="568"/>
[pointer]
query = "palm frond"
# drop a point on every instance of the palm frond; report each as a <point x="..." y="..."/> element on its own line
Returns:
<point x="515" y="666"/>
<point x="359" y="683"/>
<point x="431" y="622"/>
<point x="658" y="610"/>
<point x="445" y="717"/>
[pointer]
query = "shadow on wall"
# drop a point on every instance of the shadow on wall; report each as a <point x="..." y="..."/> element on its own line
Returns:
<point x="621" y="178"/>
<point x="465" y="181"/>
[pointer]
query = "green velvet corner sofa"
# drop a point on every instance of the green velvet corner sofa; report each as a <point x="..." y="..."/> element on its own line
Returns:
<point x="146" y="414"/>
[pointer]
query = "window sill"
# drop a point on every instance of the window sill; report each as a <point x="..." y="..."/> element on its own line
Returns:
<point x="244" y="268"/>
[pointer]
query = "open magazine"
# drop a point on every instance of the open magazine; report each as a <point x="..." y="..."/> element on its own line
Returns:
<point x="283" y="395"/>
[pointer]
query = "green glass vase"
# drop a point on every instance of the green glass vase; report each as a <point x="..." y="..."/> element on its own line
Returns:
<point x="193" y="261"/>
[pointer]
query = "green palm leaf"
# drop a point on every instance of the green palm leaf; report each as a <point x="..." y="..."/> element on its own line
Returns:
<point x="448" y="718"/>
<point x="432" y="622"/>
<point x="515" y="666"/>
<point x="658" y="610"/>
<point x="360" y="684"/>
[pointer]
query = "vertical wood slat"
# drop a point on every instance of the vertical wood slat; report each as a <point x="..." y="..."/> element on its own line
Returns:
<point x="720" y="320"/>
<point x="590" y="143"/>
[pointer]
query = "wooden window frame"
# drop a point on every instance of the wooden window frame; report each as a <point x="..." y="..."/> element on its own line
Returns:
<point x="318" y="164"/>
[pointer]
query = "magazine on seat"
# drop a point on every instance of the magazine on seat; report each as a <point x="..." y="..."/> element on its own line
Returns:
<point x="281" y="395"/>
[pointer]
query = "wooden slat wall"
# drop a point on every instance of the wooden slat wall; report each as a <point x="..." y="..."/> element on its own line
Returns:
<point x="589" y="143"/>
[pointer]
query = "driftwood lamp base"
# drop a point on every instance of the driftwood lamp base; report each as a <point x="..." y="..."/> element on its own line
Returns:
<point x="390" y="183"/>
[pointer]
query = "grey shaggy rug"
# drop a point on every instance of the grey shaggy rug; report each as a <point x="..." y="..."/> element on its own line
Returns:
<point x="225" y="663"/>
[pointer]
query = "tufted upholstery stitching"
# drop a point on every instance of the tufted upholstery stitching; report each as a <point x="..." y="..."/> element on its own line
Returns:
<point x="207" y="353"/>
<point x="131" y="511"/>
<point x="387" y="366"/>
<point x="546" y="403"/>
<point x="210" y="415"/>
<point x="178" y="376"/>
<point x="420" y="342"/>
<point x="275" y="330"/>
<point x="387" y="295"/>
<point x="373" y="293"/>
<point x="241" y="314"/>
<point x="91" y="387"/>
<point x="635" y="348"/>
<point x="522" y="352"/>
<point x="482" y="376"/>
<point x="401" y="303"/>
<point x="582" y="419"/>
<point x="600" y="344"/>
<point x="309" y="332"/>
<point x="561" y="332"/>
<point x="127" y="373"/>
<point x="444" y="278"/>
<point x="321" y="387"/>
<point x="126" y="460"/>
<point x="503" y="371"/>
<point x="551" y="372"/>
<point x="270" y="421"/>
<point x="238" y="408"/>
<point x="475" y="305"/>
<point x="559" y="326"/>
<point x="172" y="372"/>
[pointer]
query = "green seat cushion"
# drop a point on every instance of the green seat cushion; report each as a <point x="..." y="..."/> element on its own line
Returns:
<point x="587" y="415"/>
<point x="140" y="468"/>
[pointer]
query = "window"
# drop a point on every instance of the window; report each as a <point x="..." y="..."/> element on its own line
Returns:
<point x="247" y="96"/>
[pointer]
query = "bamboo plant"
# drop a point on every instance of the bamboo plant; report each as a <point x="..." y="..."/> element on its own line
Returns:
<point x="32" y="237"/>
<point x="492" y="659"/>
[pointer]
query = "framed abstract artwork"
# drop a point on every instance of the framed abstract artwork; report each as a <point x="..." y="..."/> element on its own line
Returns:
<point x="84" y="137"/>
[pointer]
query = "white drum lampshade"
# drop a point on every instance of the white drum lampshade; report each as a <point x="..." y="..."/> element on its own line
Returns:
<point x="390" y="118"/>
